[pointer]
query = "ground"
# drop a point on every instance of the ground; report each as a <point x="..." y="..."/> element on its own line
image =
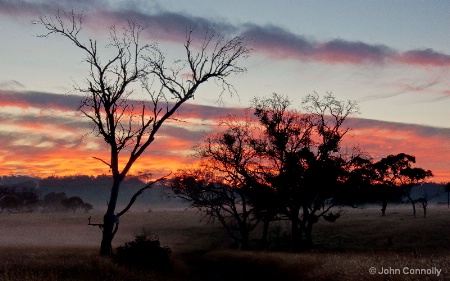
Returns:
<point x="61" y="246"/>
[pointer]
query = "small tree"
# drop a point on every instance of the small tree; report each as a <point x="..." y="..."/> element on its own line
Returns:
<point x="129" y="127"/>
<point x="423" y="201"/>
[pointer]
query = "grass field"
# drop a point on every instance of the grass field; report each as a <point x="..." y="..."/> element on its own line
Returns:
<point x="61" y="246"/>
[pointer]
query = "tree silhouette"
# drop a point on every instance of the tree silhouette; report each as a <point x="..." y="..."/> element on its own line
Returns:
<point x="73" y="203"/>
<point x="388" y="180"/>
<point x="279" y="158"/>
<point x="396" y="176"/>
<point x="9" y="202"/>
<point x="128" y="126"/>
<point x="221" y="200"/>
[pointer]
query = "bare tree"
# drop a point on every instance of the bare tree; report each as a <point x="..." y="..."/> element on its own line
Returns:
<point x="128" y="126"/>
<point x="220" y="200"/>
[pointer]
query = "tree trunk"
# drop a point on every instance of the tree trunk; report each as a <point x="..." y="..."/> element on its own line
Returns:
<point x="414" y="208"/>
<point x="296" y="233"/>
<point x="265" y="233"/>
<point x="245" y="242"/>
<point x="109" y="219"/>
<point x="308" y="235"/>
<point x="108" y="235"/>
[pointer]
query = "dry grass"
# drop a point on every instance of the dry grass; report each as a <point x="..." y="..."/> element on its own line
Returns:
<point x="63" y="247"/>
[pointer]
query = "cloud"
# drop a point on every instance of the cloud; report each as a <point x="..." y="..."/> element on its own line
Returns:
<point x="14" y="8"/>
<point x="41" y="134"/>
<point x="424" y="57"/>
<point x="46" y="132"/>
<point x="282" y="44"/>
<point x="39" y="100"/>
<point x="269" y="40"/>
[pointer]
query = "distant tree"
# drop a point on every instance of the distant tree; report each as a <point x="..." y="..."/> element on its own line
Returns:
<point x="19" y="198"/>
<point x="53" y="201"/>
<point x="394" y="178"/>
<point x="73" y="203"/>
<point x="29" y="197"/>
<point x="131" y="126"/>
<point x="423" y="201"/>
<point x="9" y="202"/>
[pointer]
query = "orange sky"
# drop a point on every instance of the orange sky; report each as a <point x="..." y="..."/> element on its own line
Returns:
<point x="42" y="135"/>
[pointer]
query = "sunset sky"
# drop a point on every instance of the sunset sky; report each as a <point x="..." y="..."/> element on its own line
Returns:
<point x="392" y="57"/>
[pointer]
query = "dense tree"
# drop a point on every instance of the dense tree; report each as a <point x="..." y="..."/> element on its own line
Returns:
<point x="129" y="127"/>
<point x="304" y="162"/>
<point x="278" y="160"/>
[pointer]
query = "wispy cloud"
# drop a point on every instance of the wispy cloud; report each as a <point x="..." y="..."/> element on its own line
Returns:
<point x="269" y="40"/>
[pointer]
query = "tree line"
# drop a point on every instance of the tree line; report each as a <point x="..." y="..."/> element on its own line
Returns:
<point x="279" y="163"/>
<point x="25" y="199"/>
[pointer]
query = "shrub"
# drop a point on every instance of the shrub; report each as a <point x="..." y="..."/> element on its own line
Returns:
<point x="144" y="253"/>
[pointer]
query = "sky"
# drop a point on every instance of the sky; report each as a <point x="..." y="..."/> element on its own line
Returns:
<point x="391" y="57"/>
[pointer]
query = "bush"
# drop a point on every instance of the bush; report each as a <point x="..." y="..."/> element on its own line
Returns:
<point x="144" y="253"/>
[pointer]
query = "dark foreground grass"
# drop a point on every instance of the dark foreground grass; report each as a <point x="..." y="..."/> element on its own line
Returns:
<point x="79" y="264"/>
<point x="344" y="250"/>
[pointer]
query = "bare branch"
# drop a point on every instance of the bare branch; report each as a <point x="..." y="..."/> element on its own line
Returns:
<point x="139" y="192"/>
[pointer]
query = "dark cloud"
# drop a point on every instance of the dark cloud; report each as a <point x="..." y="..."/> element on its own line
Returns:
<point x="20" y="8"/>
<point x="278" y="42"/>
<point x="39" y="100"/>
<point x="352" y="52"/>
<point x="269" y="40"/>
